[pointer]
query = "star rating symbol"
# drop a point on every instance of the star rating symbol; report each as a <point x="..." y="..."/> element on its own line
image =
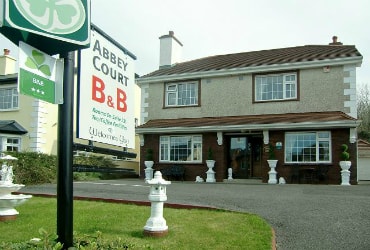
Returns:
<point x="38" y="91"/>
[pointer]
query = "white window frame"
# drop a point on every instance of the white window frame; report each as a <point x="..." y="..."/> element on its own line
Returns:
<point x="4" y="143"/>
<point x="321" y="137"/>
<point x="269" y="87"/>
<point x="172" y="98"/>
<point x="167" y="144"/>
<point x="14" y="97"/>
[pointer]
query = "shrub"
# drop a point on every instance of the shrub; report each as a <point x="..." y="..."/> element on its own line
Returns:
<point x="34" y="168"/>
<point x="37" y="168"/>
<point x="345" y="155"/>
<point x="272" y="152"/>
<point x="210" y="154"/>
<point x="96" y="161"/>
<point x="149" y="154"/>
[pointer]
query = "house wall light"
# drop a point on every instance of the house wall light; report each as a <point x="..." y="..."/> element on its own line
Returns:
<point x="279" y="145"/>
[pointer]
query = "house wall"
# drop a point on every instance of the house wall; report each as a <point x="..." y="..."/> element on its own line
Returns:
<point x="233" y="96"/>
<point x="40" y="120"/>
<point x="339" y="137"/>
<point x="192" y="170"/>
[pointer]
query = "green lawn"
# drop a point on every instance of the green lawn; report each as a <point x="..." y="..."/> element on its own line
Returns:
<point x="188" y="229"/>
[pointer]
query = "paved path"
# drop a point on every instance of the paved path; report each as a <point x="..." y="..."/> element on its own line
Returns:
<point x="303" y="216"/>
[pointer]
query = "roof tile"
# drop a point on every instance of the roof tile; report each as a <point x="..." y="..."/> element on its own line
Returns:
<point x="260" y="58"/>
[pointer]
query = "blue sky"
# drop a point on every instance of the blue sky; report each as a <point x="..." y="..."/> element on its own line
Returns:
<point x="214" y="27"/>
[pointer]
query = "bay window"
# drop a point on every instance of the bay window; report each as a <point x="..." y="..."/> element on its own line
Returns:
<point x="308" y="147"/>
<point x="181" y="148"/>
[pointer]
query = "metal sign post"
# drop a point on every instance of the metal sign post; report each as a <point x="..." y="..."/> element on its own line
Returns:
<point x="65" y="156"/>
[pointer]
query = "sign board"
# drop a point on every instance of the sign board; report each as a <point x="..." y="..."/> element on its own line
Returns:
<point x="106" y="93"/>
<point x="40" y="75"/>
<point x="52" y="26"/>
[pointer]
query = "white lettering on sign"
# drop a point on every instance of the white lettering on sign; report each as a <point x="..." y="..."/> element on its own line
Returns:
<point x="38" y="82"/>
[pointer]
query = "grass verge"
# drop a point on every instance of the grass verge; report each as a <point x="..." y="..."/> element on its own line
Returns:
<point x="188" y="229"/>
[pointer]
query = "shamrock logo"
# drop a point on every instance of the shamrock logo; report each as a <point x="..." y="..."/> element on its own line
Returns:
<point x="55" y="16"/>
<point x="36" y="61"/>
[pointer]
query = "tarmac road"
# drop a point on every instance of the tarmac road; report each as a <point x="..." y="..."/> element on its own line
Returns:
<point x="303" y="216"/>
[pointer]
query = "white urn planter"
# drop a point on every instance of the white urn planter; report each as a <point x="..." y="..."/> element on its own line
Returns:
<point x="272" y="173"/>
<point x="148" y="170"/>
<point x="210" y="172"/>
<point x="345" y="165"/>
<point x="9" y="201"/>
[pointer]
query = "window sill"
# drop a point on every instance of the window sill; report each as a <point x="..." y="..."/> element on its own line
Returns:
<point x="183" y="106"/>
<point x="181" y="162"/>
<point x="9" y="110"/>
<point x="308" y="164"/>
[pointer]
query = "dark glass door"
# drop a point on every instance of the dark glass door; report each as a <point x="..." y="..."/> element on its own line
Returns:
<point x="240" y="157"/>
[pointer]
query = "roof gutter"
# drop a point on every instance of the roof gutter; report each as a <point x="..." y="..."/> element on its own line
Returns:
<point x="251" y="127"/>
<point x="257" y="69"/>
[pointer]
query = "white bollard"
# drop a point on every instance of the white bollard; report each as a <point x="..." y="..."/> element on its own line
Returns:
<point x="230" y="174"/>
<point x="156" y="225"/>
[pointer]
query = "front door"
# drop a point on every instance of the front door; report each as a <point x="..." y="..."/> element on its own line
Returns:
<point x="245" y="156"/>
<point x="240" y="157"/>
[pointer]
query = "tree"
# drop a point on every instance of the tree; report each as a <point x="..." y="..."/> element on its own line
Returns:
<point x="363" y="112"/>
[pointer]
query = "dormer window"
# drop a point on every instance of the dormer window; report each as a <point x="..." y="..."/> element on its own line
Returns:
<point x="181" y="94"/>
<point x="276" y="87"/>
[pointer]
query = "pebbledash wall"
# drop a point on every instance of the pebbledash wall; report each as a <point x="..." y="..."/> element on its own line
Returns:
<point x="237" y="96"/>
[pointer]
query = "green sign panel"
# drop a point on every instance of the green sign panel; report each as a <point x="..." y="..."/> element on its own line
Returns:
<point x="53" y="26"/>
<point x="40" y="75"/>
<point x="36" y="86"/>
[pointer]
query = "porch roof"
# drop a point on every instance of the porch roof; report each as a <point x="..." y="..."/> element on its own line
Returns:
<point x="11" y="127"/>
<point x="291" y="121"/>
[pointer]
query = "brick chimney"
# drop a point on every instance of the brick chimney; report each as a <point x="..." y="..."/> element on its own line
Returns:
<point x="7" y="63"/>
<point x="170" y="51"/>
<point x="335" y="41"/>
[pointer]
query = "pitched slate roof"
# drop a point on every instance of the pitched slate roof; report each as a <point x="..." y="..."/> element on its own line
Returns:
<point x="254" y="122"/>
<point x="307" y="53"/>
<point x="11" y="127"/>
<point x="8" y="79"/>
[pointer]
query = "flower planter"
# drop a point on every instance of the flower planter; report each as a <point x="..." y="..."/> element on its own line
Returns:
<point x="148" y="170"/>
<point x="272" y="173"/>
<point x="210" y="172"/>
<point x="345" y="165"/>
<point x="345" y="173"/>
